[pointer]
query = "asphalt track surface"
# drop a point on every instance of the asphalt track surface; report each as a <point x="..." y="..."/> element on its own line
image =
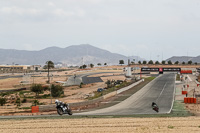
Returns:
<point x="160" y="90"/>
<point x="76" y="80"/>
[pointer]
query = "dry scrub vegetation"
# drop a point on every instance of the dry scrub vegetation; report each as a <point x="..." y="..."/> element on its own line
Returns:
<point x="108" y="125"/>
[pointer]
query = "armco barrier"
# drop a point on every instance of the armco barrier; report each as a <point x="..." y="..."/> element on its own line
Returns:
<point x="195" y="100"/>
<point x="128" y="87"/>
<point x="186" y="71"/>
<point x="190" y="100"/>
<point x="185" y="99"/>
<point x="35" y="109"/>
<point x="110" y="95"/>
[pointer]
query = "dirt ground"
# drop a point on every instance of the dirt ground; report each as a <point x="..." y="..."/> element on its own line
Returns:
<point x="72" y="94"/>
<point x="103" y="125"/>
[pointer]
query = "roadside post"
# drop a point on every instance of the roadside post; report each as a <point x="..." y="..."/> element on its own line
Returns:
<point x="74" y="78"/>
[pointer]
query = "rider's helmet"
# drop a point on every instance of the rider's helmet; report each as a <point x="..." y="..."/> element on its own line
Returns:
<point x="56" y="101"/>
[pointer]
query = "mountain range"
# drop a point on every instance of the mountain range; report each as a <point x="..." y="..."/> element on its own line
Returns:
<point x="184" y="59"/>
<point x="72" y="55"/>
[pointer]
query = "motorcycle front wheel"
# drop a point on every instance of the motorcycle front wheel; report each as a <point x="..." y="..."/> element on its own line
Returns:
<point x="70" y="112"/>
<point x="59" y="111"/>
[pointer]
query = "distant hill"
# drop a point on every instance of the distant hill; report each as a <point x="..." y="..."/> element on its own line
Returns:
<point x="185" y="59"/>
<point x="72" y="55"/>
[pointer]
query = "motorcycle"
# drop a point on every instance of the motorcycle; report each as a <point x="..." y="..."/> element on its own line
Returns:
<point x="63" y="108"/>
<point x="155" y="107"/>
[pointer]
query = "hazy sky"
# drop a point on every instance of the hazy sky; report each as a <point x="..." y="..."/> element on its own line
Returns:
<point x="146" y="28"/>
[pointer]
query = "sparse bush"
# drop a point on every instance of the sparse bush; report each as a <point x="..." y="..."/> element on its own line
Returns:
<point x="56" y="90"/>
<point x="108" y="82"/>
<point x="35" y="102"/>
<point x="45" y="96"/>
<point x="2" y="101"/>
<point x="171" y="127"/>
<point x="18" y="102"/>
<point x="37" y="88"/>
<point x="24" y="100"/>
<point x="45" y="88"/>
<point x="81" y="84"/>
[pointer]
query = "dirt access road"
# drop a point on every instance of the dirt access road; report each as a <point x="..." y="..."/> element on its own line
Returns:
<point x="103" y="125"/>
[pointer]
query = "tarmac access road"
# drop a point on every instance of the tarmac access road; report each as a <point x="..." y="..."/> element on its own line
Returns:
<point x="160" y="90"/>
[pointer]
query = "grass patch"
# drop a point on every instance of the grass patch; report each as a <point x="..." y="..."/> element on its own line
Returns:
<point x="25" y="108"/>
<point x="6" y="93"/>
<point x="171" y="127"/>
<point x="45" y="96"/>
<point x="22" y="92"/>
<point x="150" y="78"/>
<point x="178" y="77"/>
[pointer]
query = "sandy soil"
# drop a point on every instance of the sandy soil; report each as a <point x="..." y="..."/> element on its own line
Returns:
<point x="100" y="125"/>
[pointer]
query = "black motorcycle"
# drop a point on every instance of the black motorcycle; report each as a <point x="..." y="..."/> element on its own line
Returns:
<point x="155" y="107"/>
<point x="63" y="108"/>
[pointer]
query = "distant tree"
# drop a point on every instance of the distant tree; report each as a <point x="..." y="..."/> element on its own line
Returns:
<point x="2" y="101"/>
<point x="190" y="62"/>
<point x="195" y="63"/>
<point x="139" y="62"/>
<point x="91" y="65"/>
<point x="83" y="66"/>
<point x="132" y="62"/>
<point x="177" y="62"/>
<point x="99" y="64"/>
<point x="56" y="90"/>
<point x="144" y="62"/>
<point x="105" y="64"/>
<point x="121" y="62"/>
<point x="37" y="89"/>
<point x="183" y="63"/>
<point x="157" y="63"/>
<point x="169" y="62"/>
<point x="163" y="62"/>
<point x="150" y="62"/>
<point x="49" y="65"/>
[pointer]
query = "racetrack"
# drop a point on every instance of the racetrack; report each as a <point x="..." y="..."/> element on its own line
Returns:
<point x="160" y="90"/>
